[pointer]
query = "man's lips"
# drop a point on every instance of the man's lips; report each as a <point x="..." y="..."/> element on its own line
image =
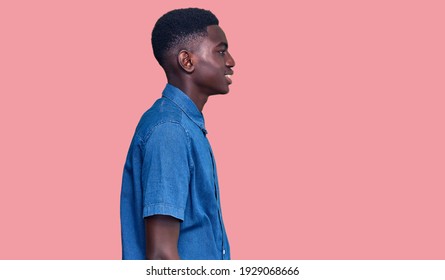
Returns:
<point x="229" y="77"/>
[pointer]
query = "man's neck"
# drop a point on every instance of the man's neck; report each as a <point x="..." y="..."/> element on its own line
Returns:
<point x="198" y="98"/>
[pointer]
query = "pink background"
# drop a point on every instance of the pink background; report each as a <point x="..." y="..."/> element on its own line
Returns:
<point x="330" y="144"/>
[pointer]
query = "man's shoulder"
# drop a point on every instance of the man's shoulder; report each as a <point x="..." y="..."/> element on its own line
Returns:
<point x="163" y="113"/>
<point x="163" y="110"/>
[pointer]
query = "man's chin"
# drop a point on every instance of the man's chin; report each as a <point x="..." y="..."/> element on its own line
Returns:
<point x="226" y="90"/>
<point x="222" y="91"/>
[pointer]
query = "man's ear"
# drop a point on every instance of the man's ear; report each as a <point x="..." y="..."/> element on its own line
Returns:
<point x="185" y="61"/>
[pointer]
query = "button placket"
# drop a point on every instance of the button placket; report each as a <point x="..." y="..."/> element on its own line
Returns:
<point x="217" y="200"/>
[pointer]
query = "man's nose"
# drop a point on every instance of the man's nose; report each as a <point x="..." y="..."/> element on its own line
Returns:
<point x="230" y="62"/>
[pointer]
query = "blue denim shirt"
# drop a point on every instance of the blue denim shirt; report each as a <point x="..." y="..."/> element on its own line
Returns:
<point x="170" y="170"/>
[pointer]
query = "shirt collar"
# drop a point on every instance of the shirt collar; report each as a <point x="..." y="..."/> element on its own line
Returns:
<point x="184" y="102"/>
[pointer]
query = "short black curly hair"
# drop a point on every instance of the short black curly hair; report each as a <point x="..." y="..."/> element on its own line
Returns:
<point x="178" y="27"/>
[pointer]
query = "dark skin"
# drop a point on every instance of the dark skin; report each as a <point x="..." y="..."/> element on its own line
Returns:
<point x="199" y="70"/>
<point x="162" y="233"/>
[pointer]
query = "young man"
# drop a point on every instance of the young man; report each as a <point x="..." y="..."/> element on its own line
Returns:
<point x="170" y="207"/>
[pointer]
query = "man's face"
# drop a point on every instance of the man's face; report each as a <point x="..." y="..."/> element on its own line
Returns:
<point x="213" y="63"/>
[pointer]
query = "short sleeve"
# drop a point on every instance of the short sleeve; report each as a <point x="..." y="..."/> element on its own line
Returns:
<point x="166" y="171"/>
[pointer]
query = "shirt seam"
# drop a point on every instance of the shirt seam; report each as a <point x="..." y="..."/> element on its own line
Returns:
<point x="150" y="132"/>
<point x="179" y="211"/>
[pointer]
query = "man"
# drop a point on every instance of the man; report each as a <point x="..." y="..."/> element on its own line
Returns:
<point x="170" y="207"/>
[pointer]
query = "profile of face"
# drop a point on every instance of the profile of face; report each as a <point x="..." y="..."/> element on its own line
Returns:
<point x="213" y="63"/>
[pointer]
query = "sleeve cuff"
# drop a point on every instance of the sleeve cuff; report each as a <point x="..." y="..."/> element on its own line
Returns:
<point x="163" y="209"/>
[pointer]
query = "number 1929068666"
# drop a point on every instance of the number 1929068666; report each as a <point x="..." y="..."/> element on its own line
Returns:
<point x="269" y="270"/>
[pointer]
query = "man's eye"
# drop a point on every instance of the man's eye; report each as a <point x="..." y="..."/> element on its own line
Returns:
<point x="222" y="52"/>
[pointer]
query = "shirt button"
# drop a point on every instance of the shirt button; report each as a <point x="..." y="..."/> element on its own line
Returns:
<point x="224" y="252"/>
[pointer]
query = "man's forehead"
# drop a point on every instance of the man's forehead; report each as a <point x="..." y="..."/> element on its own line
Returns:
<point x="216" y="34"/>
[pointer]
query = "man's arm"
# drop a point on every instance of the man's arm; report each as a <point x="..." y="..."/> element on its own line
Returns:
<point x="161" y="235"/>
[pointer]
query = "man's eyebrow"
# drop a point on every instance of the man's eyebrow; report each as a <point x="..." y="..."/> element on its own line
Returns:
<point x="223" y="44"/>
